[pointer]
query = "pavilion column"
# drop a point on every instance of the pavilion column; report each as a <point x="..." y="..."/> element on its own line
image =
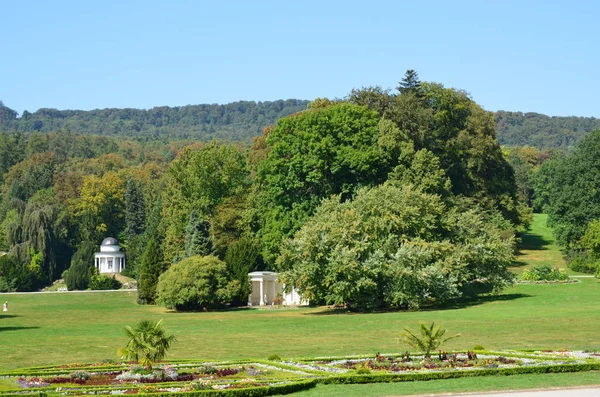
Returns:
<point x="262" y="302"/>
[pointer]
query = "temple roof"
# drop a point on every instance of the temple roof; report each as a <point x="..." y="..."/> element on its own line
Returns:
<point x="109" y="241"/>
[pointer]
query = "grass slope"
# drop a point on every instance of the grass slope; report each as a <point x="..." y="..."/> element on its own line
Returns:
<point x="538" y="246"/>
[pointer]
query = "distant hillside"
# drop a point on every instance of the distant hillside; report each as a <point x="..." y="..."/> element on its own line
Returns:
<point x="240" y="121"/>
<point x="541" y="131"/>
<point x="234" y="121"/>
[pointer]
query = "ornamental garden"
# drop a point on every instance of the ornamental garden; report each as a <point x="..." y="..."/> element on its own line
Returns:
<point x="282" y="376"/>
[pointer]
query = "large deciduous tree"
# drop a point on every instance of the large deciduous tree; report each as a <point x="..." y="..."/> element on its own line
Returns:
<point x="323" y="151"/>
<point x="395" y="246"/>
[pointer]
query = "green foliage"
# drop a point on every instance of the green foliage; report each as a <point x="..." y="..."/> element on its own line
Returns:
<point x="544" y="273"/>
<point x="135" y="210"/>
<point x="21" y="277"/>
<point x="428" y="338"/>
<point x="243" y="257"/>
<point x="410" y="84"/>
<point x="78" y="276"/>
<point x="197" y="239"/>
<point x="103" y="282"/>
<point x="541" y="131"/>
<point x="151" y="266"/>
<point x="234" y="121"/>
<point x="312" y="155"/>
<point x="425" y="376"/>
<point x="394" y="246"/>
<point x="148" y="342"/>
<point x="196" y="283"/>
<point x="454" y="129"/>
<point x="209" y="175"/>
<point x="570" y="191"/>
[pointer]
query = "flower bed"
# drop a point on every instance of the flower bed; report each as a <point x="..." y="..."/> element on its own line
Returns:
<point x="258" y="378"/>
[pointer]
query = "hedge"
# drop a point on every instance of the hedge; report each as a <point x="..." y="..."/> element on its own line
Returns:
<point x="424" y="376"/>
<point x="249" y="392"/>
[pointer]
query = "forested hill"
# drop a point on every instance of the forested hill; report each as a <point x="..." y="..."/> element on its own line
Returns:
<point x="234" y="121"/>
<point x="541" y="131"/>
<point x="239" y="121"/>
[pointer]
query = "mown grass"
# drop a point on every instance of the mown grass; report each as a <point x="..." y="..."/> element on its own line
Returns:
<point x="538" y="247"/>
<point x="459" y="385"/>
<point x="81" y="327"/>
<point x="59" y="328"/>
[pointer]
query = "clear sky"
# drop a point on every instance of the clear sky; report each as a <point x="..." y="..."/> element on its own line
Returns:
<point x="539" y="56"/>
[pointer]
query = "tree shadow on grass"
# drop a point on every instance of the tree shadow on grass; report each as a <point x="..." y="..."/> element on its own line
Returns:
<point x="9" y="316"/>
<point x="533" y="242"/>
<point x="2" y="329"/>
<point x="457" y="304"/>
<point x="518" y="264"/>
<point x="478" y="300"/>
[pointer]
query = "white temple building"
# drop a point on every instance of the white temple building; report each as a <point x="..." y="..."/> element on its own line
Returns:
<point x="267" y="291"/>
<point x="110" y="259"/>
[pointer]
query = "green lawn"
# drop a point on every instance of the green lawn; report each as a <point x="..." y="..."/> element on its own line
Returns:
<point x="78" y="327"/>
<point x="538" y="247"/>
<point x="83" y="327"/>
<point x="459" y="385"/>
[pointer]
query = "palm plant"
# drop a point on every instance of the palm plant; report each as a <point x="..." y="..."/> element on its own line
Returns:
<point x="148" y="343"/>
<point x="430" y="338"/>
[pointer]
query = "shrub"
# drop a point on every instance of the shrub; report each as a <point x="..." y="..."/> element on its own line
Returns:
<point x="580" y="261"/>
<point x="274" y="357"/>
<point x="79" y="376"/>
<point x="544" y="273"/>
<point x="101" y="282"/>
<point x="78" y="276"/>
<point x="478" y="347"/>
<point x="197" y="282"/>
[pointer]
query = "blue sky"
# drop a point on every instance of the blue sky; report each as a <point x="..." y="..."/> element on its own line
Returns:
<point x="539" y="56"/>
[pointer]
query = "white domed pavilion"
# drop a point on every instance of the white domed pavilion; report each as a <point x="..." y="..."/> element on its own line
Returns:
<point x="110" y="259"/>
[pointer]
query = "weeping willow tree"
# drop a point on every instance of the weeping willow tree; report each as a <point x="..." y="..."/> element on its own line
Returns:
<point x="38" y="230"/>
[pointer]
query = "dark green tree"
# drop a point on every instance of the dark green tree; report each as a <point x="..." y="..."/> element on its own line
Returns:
<point x="135" y="209"/>
<point x="312" y="155"/>
<point x="243" y="257"/>
<point x="197" y="238"/>
<point x="151" y="263"/>
<point x="572" y="191"/>
<point x="410" y="83"/>
<point x="149" y="270"/>
<point x="77" y="277"/>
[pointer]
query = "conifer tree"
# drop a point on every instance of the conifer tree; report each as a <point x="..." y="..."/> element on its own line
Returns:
<point x="149" y="271"/>
<point x="410" y="83"/>
<point x="197" y="238"/>
<point x="152" y="263"/>
<point x="135" y="210"/>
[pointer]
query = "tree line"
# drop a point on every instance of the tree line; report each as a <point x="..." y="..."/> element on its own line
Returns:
<point x="235" y="121"/>
<point x="385" y="198"/>
<point x="242" y="121"/>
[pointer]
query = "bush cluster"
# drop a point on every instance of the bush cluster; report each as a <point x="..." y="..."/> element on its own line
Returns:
<point x="544" y="273"/>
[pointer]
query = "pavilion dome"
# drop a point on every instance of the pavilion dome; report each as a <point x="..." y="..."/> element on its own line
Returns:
<point x="109" y="241"/>
<point x="110" y="244"/>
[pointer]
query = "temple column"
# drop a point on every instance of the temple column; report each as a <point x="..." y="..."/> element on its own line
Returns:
<point x="262" y="302"/>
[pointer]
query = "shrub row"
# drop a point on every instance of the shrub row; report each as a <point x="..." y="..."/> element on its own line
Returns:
<point x="387" y="378"/>
<point x="249" y="392"/>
